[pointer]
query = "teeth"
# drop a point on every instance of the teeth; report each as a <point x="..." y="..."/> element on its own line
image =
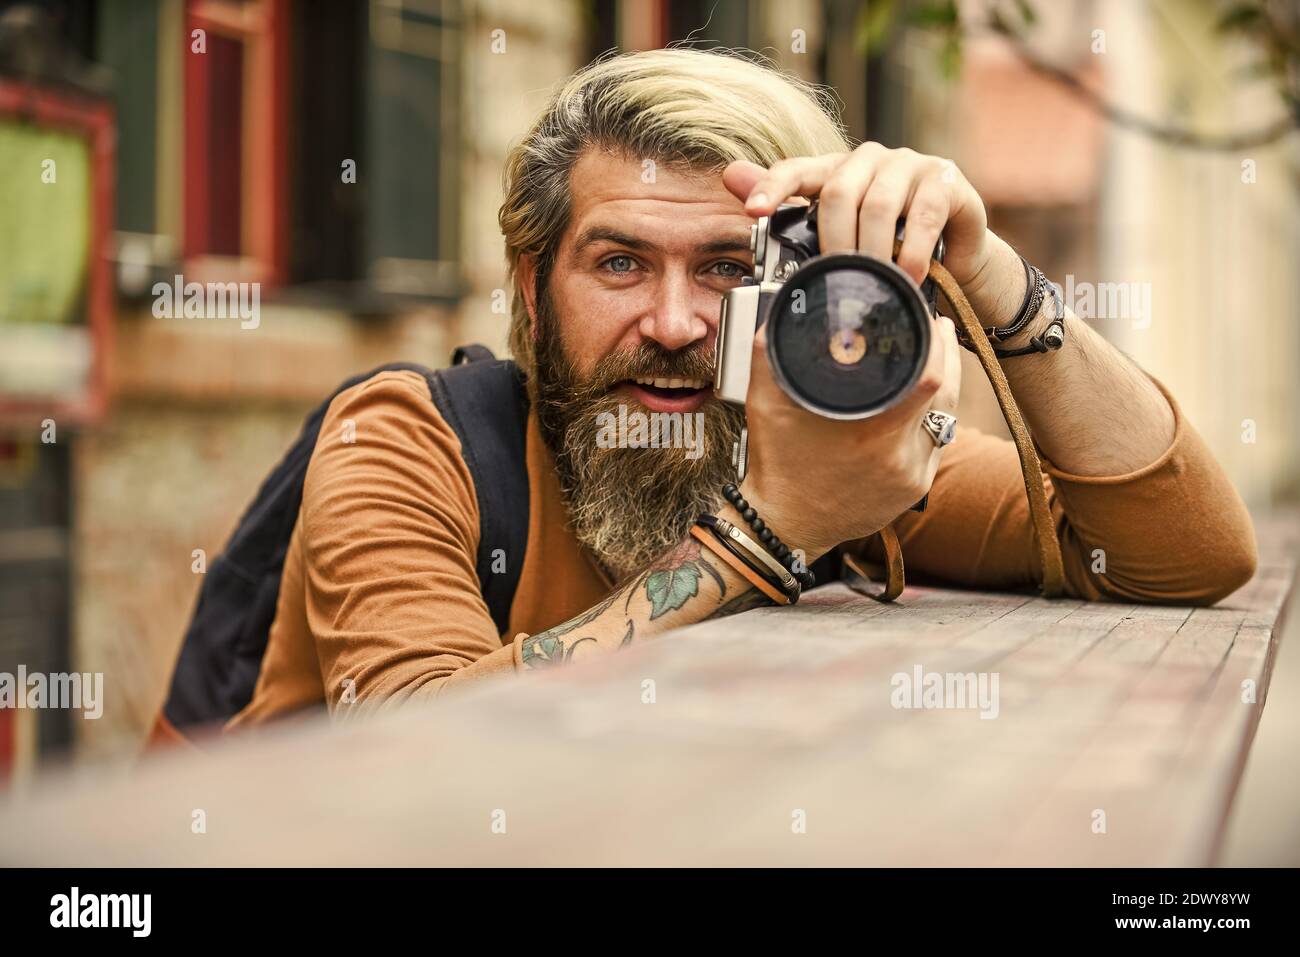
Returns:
<point x="673" y="383"/>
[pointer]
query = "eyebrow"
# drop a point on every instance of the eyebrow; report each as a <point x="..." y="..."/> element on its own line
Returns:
<point x="604" y="234"/>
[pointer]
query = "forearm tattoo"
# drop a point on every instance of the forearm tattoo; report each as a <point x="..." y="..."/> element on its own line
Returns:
<point x="667" y="585"/>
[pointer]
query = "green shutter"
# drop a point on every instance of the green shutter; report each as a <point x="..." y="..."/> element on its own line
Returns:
<point x="410" y="183"/>
<point x="127" y="43"/>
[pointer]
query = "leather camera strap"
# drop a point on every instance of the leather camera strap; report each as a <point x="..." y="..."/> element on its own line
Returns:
<point x="894" y="577"/>
<point x="1031" y="469"/>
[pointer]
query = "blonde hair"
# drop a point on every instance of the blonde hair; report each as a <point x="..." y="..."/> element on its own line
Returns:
<point x="682" y="108"/>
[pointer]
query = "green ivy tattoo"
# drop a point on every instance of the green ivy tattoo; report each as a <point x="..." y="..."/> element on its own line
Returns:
<point x="669" y="584"/>
<point x="546" y="650"/>
<point x="543" y="651"/>
<point x="675" y="579"/>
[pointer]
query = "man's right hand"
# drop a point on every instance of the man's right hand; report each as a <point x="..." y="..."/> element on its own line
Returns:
<point x="819" y="482"/>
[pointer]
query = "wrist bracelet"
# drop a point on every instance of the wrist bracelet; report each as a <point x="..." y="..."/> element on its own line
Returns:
<point x="778" y="549"/>
<point x="1035" y="291"/>
<point x="768" y="565"/>
<point x="729" y="556"/>
<point x="1050" y="339"/>
<point x="1036" y="287"/>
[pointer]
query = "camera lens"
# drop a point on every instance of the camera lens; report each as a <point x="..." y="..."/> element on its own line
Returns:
<point x="848" y="335"/>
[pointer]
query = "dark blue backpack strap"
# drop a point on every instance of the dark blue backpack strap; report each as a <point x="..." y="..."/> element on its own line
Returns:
<point x="484" y="401"/>
<point x="471" y="353"/>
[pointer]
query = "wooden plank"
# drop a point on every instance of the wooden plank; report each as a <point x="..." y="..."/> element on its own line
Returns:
<point x="710" y="746"/>
<point x="1129" y="767"/>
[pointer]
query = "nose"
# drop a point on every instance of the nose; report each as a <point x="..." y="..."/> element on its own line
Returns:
<point x="676" y="320"/>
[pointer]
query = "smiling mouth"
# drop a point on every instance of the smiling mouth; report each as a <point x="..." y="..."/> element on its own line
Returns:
<point x="668" y="393"/>
<point x="666" y="387"/>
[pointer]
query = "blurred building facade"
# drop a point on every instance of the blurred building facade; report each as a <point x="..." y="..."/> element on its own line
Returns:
<point x="347" y="156"/>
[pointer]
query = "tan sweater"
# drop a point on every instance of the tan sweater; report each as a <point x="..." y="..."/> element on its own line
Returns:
<point x="380" y="600"/>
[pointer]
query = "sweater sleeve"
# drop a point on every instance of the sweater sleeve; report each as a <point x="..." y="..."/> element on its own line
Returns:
<point x="1174" y="531"/>
<point x="389" y="533"/>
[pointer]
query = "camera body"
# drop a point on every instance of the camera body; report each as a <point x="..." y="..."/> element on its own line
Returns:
<point x="847" y="334"/>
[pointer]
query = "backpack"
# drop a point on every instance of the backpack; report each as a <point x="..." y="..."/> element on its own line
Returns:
<point x="483" y="400"/>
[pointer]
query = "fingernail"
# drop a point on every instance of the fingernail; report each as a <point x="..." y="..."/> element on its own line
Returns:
<point x="757" y="199"/>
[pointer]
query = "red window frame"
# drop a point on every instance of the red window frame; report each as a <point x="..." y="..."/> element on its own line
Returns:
<point x="261" y="26"/>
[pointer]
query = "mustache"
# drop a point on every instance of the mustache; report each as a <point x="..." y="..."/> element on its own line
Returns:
<point x="651" y="360"/>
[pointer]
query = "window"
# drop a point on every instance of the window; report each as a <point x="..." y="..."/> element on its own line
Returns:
<point x="650" y="24"/>
<point x="373" y="207"/>
<point x="234" y="122"/>
<point x="411" y="105"/>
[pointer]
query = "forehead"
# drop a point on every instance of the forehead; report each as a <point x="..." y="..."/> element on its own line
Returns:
<point x="666" y="206"/>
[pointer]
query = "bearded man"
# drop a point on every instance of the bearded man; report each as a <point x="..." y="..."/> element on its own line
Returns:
<point x="626" y="218"/>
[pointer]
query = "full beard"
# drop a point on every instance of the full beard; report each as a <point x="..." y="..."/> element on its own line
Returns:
<point x="628" y="506"/>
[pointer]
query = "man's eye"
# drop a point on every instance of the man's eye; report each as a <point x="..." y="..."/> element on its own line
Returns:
<point x="729" y="270"/>
<point x="620" y="264"/>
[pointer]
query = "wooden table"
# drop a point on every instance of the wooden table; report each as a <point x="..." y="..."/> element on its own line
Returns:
<point x="769" y="738"/>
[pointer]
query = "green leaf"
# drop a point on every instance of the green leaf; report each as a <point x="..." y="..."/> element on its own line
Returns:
<point x="950" y="56"/>
<point x="872" y="29"/>
<point x="935" y="13"/>
<point x="669" y="590"/>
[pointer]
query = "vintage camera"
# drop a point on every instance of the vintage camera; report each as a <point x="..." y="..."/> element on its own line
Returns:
<point x="847" y="334"/>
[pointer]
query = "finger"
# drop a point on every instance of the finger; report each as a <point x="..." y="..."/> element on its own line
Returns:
<point x="927" y="214"/>
<point x="946" y="398"/>
<point x="881" y="209"/>
<point x="804" y="176"/>
<point x="840" y="198"/>
<point x="740" y="178"/>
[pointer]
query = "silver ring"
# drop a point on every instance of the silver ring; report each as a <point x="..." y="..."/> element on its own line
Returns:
<point x="940" y="426"/>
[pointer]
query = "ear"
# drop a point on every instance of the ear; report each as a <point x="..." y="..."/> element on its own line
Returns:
<point x="527" y="270"/>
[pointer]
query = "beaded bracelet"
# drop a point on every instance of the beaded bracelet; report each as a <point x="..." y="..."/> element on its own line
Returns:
<point x="770" y="541"/>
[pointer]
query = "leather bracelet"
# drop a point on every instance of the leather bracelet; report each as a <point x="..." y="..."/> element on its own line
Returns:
<point x="1035" y="292"/>
<point x="768" y="566"/>
<point x="1050" y="339"/>
<point x="1036" y="286"/>
<point x="708" y="539"/>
